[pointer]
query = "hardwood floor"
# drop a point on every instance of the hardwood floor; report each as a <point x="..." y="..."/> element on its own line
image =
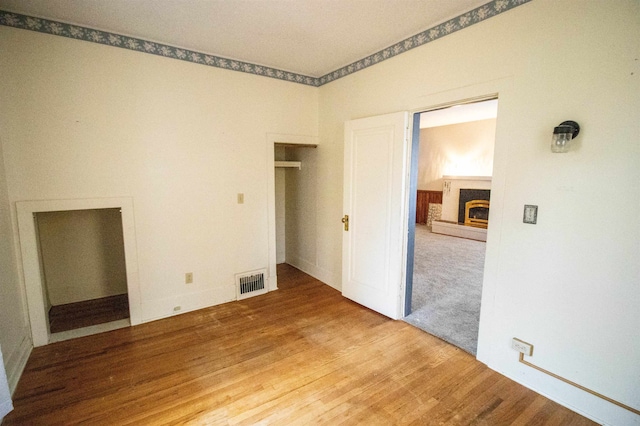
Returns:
<point x="90" y="312"/>
<point x="299" y="355"/>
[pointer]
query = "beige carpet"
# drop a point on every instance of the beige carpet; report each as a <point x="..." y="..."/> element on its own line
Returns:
<point x="447" y="287"/>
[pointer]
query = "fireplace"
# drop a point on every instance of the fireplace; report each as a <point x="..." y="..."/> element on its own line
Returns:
<point x="476" y="213"/>
<point x="473" y="207"/>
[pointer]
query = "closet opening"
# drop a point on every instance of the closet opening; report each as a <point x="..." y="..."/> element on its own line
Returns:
<point x="295" y="204"/>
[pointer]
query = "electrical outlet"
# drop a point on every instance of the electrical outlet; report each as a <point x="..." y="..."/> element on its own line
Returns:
<point x="188" y="278"/>
<point x="240" y="198"/>
<point x="522" y="347"/>
<point x="176" y="308"/>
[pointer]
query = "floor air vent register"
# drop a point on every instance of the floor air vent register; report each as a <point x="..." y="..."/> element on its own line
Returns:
<point x="249" y="284"/>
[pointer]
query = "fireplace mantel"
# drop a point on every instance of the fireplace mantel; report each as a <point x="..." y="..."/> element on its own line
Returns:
<point x="471" y="178"/>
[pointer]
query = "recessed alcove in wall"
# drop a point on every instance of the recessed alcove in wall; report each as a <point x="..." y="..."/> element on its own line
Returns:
<point x="84" y="273"/>
<point x="37" y="299"/>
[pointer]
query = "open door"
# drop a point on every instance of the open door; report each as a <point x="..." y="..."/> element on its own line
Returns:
<point x="6" y="405"/>
<point x="375" y="173"/>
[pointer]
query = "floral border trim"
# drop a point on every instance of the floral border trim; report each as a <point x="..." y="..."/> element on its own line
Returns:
<point x="77" y="32"/>
<point x="47" y="26"/>
<point x="458" y="23"/>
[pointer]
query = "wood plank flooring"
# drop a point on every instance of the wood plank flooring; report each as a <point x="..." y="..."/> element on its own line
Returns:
<point x="299" y="355"/>
<point x="89" y="312"/>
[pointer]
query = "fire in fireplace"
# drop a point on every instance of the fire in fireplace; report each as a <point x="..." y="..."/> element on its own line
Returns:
<point x="473" y="208"/>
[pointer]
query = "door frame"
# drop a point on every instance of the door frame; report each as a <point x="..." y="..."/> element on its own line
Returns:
<point x="414" y="136"/>
<point x="31" y="265"/>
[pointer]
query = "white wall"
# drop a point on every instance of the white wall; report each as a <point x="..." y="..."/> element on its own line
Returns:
<point x="82" y="254"/>
<point x="569" y="284"/>
<point x="302" y="232"/>
<point x="462" y="149"/>
<point x="280" y="199"/>
<point x="15" y="338"/>
<point x="81" y="120"/>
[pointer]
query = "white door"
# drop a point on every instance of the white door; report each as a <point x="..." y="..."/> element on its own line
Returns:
<point x="5" y="396"/>
<point x="375" y="177"/>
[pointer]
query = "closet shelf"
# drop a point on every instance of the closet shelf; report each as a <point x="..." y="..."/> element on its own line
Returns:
<point x="291" y="164"/>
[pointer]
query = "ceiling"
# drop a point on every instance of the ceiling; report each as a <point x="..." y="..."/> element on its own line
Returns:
<point x="309" y="37"/>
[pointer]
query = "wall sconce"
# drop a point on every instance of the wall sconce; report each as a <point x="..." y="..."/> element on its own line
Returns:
<point x="562" y="136"/>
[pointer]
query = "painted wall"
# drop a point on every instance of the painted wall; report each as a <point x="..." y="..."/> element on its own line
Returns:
<point x="82" y="254"/>
<point x="280" y="188"/>
<point x="570" y="284"/>
<point x="463" y="149"/>
<point x="302" y="231"/>
<point x="15" y="337"/>
<point x="81" y="120"/>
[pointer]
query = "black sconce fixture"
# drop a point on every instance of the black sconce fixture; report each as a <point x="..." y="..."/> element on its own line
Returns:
<point x="562" y="136"/>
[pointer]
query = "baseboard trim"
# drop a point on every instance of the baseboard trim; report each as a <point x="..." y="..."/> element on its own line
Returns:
<point x="17" y="361"/>
<point x="153" y="310"/>
<point x="315" y="271"/>
<point x="524" y="382"/>
<point x="273" y="282"/>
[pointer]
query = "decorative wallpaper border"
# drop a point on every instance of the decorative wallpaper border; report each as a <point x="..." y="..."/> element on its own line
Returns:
<point x="47" y="26"/>
<point x="77" y="32"/>
<point x="458" y="23"/>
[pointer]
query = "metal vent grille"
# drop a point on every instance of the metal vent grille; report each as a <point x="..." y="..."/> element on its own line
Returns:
<point x="249" y="284"/>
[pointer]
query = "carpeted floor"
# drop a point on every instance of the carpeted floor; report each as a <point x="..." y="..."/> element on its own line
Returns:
<point x="447" y="286"/>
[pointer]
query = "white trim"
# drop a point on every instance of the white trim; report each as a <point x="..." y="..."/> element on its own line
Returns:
<point x="315" y="271"/>
<point x="17" y="361"/>
<point x="177" y="304"/>
<point x="446" y="177"/>
<point x="569" y="389"/>
<point x="31" y="264"/>
<point x="288" y="164"/>
<point x="89" y="330"/>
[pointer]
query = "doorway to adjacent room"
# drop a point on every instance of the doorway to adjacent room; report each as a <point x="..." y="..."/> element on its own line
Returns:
<point x="453" y="155"/>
